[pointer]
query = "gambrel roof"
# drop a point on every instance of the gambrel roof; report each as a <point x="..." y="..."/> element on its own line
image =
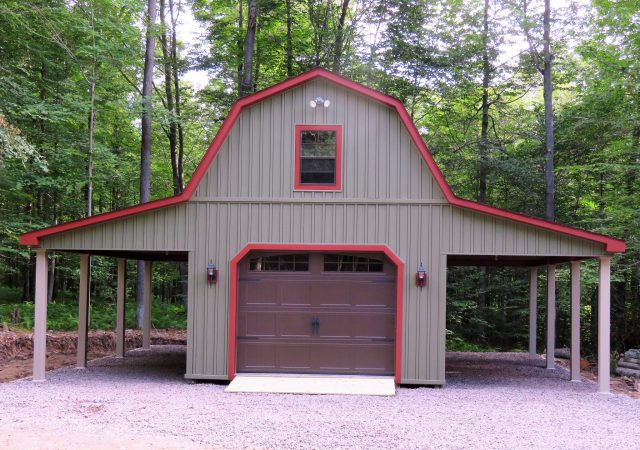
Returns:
<point x="610" y="244"/>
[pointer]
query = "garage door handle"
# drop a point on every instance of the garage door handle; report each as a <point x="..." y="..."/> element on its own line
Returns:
<point x="315" y="325"/>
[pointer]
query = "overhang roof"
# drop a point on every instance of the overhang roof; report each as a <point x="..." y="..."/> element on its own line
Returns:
<point x="33" y="237"/>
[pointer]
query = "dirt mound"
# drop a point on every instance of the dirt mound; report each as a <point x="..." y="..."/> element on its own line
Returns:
<point x="14" y="344"/>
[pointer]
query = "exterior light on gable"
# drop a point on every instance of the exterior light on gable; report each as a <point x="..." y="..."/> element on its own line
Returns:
<point x="319" y="101"/>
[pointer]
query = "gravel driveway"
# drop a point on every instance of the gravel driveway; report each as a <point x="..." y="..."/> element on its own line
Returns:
<point x="495" y="400"/>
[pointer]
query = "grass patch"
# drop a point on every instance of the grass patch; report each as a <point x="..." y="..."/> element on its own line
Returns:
<point x="457" y="344"/>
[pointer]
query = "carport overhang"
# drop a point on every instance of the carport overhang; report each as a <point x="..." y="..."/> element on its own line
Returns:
<point x="533" y="262"/>
<point x="40" y="322"/>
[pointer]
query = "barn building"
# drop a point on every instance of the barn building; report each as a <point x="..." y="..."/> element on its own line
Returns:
<point x="321" y="208"/>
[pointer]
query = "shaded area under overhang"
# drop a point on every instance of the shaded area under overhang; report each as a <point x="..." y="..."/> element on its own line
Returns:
<point x="177" y="256"/>
<point x="509" y="260"/>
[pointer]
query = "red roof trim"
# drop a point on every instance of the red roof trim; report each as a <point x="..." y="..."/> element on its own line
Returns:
<point x="611" y="244"/>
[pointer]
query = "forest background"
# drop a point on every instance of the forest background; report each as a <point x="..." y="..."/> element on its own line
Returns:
<point x="471" y="73"/>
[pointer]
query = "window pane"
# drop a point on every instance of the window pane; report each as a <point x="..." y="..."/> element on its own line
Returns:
<point x="317" y="156"/>
<point x="347" y="263"/>
<point x="280" y="263"/>
<point x="318" y="170"/>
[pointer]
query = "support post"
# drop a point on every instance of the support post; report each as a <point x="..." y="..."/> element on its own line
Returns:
<point x="146" y="314"/>
<point x="575" y="321"/>
<point x="533" y="311"/>
<point x="83" y="311"/>
<point x="604" y="324"/>
<point x="551" y="315"/>
<point x="40" y="319"/>
<point x="120" y="303"/>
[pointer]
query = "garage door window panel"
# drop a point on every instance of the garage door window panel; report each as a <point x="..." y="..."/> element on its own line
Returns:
<point x="280" y="263"/>
<point x="348" y="263"/>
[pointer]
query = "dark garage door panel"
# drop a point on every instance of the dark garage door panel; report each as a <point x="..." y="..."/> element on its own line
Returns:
<point x="332" y="324"/>
<point x="378" y="292"/>
<point x="327" y="357"/>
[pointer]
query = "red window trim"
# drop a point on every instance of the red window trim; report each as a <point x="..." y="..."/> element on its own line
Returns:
<point x="297" y="185"/>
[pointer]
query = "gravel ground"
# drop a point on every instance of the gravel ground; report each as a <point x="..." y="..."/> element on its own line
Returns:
<point x="494" y="400"/>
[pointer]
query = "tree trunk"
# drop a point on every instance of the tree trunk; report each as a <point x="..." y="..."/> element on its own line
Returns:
<point x="178" y="182"/>
<point x="246" y="86"/>
<point x="145" y="145"/>
<point x="179" y="185"/>
<point x="168" y="87"/>
<point x="91" y="126"/>
<point x="548" y="114"/>
<point x="486" y="77"/>
<point x="51" y="279"/>
<point x="257" y="60"/>
<point x="339" y="41"/>
<point x="91" y="122"/>
<point x="239" y="44"/>
<point x="289" y="55"/>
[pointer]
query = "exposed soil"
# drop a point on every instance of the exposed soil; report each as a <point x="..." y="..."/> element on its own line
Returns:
<point x="622" y="385"/>
<point x="16" y="348"/>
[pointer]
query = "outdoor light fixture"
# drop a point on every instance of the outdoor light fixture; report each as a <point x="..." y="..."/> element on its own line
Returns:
<point x="212" y="274"/>
<point x="421" y="277"/>
<point x="319" y="101"/>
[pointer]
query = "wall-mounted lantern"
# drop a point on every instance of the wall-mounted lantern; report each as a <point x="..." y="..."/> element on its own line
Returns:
<point x="421" y="277"/>
<point x="212" y="274"/>
<point x="319" y="101"/>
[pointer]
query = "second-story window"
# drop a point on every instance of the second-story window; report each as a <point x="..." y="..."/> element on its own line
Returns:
<point x="318" y="157"/>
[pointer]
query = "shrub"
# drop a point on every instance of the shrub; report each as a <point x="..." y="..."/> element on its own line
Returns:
<point x="63" y="316"/>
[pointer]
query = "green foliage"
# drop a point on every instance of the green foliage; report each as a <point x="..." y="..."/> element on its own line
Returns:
<point x="63" y="316"/>
<point x="10" y="295"/>
<point x="457" y="344"/>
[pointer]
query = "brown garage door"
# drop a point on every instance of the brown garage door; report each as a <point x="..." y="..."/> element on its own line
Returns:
<point x="316" y="313"/>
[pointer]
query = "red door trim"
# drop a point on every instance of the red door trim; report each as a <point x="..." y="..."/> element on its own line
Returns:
<point x="233" y="291"/>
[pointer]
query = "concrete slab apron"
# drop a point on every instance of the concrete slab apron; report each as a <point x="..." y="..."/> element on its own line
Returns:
<point x="312" y="384"/>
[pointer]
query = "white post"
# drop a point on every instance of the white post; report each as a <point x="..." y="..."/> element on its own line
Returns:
<point x="533" y="310"/>
<point x="83" y="311"/>
<point x="40" y="320"/>
<point x="551" y="315"/>
<point x="575" y="321"/>
<point x="604" y="324"/>
<point x="120" y="317"/>
<point x="146" y="314"/>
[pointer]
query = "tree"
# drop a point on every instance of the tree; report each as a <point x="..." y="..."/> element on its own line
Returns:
<point x="146" y="139"/>
<point x="174" y="131"/>
<point x="544" y="65"/>
<point x="246" y="85"/>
